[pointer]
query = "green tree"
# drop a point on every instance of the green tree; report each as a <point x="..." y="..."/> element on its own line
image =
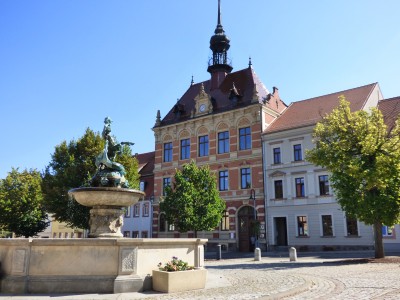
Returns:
<point x="21" y="198"/>
<point x="193" y="204"/>
<point x="363" y="157"/>
<point x="72" y="166"/>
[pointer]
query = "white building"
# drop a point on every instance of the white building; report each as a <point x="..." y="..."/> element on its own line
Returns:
<point x="301" y="209"/>
<point x="138" y="218"/>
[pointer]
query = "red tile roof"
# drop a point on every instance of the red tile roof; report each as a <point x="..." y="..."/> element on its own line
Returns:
<point x="146" y="163"/>
<point x="390" y="109"/>
<point x="243" y="80"/>
<point x="309" y="112"/>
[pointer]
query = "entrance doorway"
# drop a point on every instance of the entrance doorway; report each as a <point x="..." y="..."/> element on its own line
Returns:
<point x="246" y="237"/>
<point x="281" y="231"/>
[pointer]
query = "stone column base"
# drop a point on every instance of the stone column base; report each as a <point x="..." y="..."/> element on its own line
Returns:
<point x="106" y="222"/>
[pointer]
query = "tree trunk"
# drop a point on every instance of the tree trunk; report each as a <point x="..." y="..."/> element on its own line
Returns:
<point x="379" y="250"/>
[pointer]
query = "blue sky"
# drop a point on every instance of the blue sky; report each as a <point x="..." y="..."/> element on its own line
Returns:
<point x="65" y="65"/>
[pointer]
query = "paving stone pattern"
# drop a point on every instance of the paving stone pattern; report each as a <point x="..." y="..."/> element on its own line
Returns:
<point x="277" y="278"/>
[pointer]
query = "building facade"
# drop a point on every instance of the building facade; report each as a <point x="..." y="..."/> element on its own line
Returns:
<point x="218" y="122"/>
<point x="138" y="217"/>
<point x="302" y="210"/>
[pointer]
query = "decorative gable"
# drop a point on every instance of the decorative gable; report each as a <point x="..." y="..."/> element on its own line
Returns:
<point x="203" y="104"/>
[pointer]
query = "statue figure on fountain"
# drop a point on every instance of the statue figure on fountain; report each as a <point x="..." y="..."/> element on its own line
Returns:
<point x="109" y="172"/>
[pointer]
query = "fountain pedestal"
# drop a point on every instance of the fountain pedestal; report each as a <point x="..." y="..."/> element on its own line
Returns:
<point x="106" y="215"/>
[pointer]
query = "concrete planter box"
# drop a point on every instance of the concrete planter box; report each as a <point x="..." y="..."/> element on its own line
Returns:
<point x="170" y="282"/>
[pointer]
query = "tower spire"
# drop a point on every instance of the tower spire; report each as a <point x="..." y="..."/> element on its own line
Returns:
<point x="218" y="65"/>
<point x="219" y="12"/>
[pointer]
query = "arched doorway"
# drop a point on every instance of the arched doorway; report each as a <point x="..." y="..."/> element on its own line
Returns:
<point x="245" y="221"/>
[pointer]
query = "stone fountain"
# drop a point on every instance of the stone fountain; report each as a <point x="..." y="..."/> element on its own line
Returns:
<point x="109" y="193"/>
<point x="106" y="263"/>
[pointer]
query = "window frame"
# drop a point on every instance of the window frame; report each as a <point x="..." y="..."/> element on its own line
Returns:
<point x="204" y="147"/>
<point x="276" y="156"/>
<point x="278" y="190"/>
<point x="297" y="152"/>
<point x="136" y="210"/>
<point x="223" y="142"/>
<point x="323" y="226"/>
<point x="185" y="149"/>
<point x="168" y="151"/>
<point x="246" y="175"/>
<point x="224" y="226"/>
<point x="352" y="222"/>
<point x="324" y="187"/>
<point x="302" y="226"/>
<point x="245" y="141"/>
<point x="146" y="209"/>
<point x="166" y="182"/>
<point x="127" y="213"/>
<point x="223" y="181"/>
<point x="301" y="185"/>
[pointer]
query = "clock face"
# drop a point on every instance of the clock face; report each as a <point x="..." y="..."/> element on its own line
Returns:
<point x="202" y="107"/>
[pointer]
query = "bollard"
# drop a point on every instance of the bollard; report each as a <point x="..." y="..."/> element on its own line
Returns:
<point x="293" y="254"/>
<point x="257" y="254"/>
<point x="218" y="252"/>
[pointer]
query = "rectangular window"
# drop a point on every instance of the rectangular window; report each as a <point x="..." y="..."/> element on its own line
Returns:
<point x="166" y="182"/>
<point x="136" y="210"/>
<point x="144" y="235"/>
<point x="145" y="209"/>
<point x="135" y="234"/>
<point x="223" y="180"/>
<point x="167" y="152"/>
<point x="302" y="226"/>
<point x="244" y="138"/>
<point x="323" y="185"/>
<point x="327" y="229"/>
<point x="277" y="155"/>
<point x="387" y="230"/>
<point x="300" y="187"/>
<point x="127" y="212"/>
<point x="298" y="156"/>
<point x="223" y="142"/>
<point x="245" y="178"/>
<point x="185" y="149"/>
<point x="203" y="145"/>
<point x="278" y="189"/>
<point x="225" y="221"/>
<point x="142" y="186"/>
<point x="352" y="226"/>
<point x="127" y="234"/>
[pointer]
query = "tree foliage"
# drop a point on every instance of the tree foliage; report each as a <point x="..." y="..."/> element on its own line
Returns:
<point x="21" y="200"/>
<point x="72" y="166"/>
<point x="194" y="202"/>
<point x="364" y="160"/>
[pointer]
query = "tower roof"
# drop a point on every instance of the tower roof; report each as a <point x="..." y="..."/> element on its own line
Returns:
<point x="219" y="45"/>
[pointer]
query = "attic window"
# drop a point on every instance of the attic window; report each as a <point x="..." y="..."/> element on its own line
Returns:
<point x="178" y="110"/>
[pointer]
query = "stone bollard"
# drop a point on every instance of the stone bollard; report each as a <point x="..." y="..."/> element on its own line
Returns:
<point x="257" y="254"/>
<point x="293" y="254"/>
<point x="219" y="252"/>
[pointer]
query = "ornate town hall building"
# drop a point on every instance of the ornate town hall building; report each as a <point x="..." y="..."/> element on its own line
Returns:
<point x="219" y="122"/>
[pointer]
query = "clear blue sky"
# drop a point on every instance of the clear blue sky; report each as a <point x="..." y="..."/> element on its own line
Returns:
<point x="65" y="65"/>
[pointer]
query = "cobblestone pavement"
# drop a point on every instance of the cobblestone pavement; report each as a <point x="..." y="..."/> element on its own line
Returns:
<point x="277" y="278"/>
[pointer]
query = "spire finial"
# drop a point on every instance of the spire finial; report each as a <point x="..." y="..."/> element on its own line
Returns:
<point x="192" y="82"/>
<point x="250" y="64"/>
<point x="219" y="12"/>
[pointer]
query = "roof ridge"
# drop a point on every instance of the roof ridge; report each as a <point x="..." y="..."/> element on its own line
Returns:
<point x="313" y="98"/>
<point x="389" y="99"/>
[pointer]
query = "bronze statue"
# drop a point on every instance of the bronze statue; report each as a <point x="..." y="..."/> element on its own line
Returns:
<point x="109" y="172"/>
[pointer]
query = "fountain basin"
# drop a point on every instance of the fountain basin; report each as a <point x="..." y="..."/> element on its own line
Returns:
<point x="108" y="203"/>
<point x="106" y="196"/>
